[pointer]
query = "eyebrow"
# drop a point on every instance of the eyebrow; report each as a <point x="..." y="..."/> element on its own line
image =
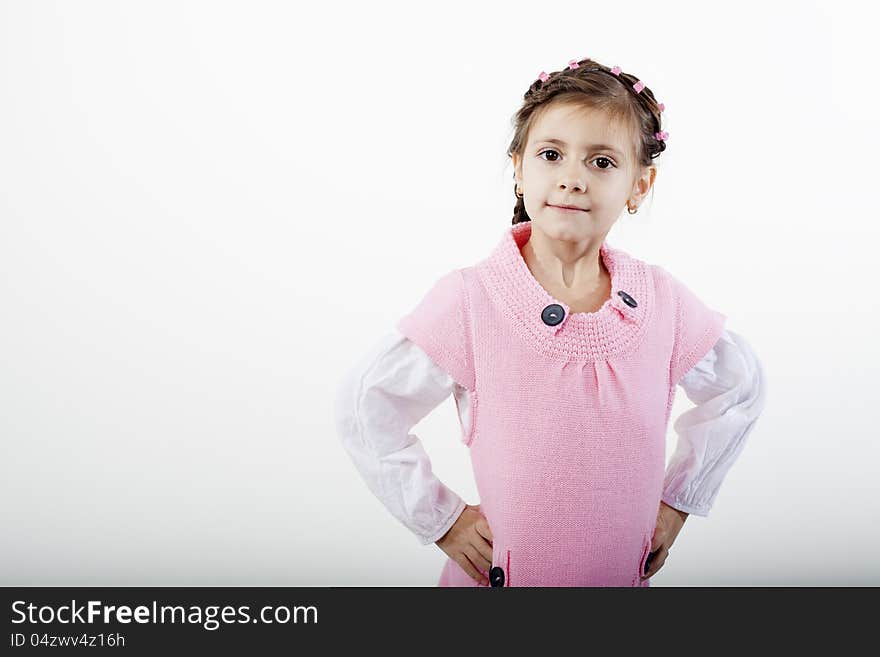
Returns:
<point x="604" y="147"/>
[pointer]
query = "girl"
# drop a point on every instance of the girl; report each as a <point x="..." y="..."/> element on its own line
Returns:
<point x="563" y="354"/>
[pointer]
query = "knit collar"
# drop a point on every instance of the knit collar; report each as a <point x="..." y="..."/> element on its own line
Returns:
<point x="614" y="328"/>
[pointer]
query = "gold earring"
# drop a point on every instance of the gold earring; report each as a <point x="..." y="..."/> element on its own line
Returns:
<point x="518" y="192"/>
<point x="632" y="210"/>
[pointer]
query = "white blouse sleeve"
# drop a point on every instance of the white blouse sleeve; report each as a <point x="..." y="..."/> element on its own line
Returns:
<point x="729" y="388"/>
<point x="377" y="403"/>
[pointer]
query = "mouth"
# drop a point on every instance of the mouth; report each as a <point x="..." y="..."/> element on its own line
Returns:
<point x="567" y="208"/>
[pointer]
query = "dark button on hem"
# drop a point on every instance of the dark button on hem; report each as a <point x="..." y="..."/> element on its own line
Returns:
<point x="496" y="576"/>
<point x="628" y="300"/>
<point x="553" y="314"/>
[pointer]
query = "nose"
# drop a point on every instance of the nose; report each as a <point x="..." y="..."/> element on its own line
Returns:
<point x="572" y="180"/>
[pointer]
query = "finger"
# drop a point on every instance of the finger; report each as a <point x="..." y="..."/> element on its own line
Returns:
<point x="655" y="562"/>
<point x="646" y="570"/>
<point x="469" y="568"/>
<point x="482" y="527"/>
<point x="661" y="559"/>
<point x="484" y="548"/>
<point x="478" y="558"/>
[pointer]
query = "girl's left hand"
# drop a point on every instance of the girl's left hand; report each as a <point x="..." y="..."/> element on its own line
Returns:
<point x="669" y="523"/>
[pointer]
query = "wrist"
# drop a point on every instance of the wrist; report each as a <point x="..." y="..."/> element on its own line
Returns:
<point x="681" y="514"/>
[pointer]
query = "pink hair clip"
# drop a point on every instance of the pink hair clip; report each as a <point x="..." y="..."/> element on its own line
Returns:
<point x="638" y="86"/>
<point x="616" y="70"/>
<point x="573" y="64"/>
<point x="661" y="136"/>
<point x="543" y="77"/>
<point x="662" y="107"/>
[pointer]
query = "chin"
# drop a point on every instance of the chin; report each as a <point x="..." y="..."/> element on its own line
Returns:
<point x="565" y="229"/>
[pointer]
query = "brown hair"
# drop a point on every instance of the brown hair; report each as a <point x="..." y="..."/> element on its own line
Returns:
<point x="590" y="85"/>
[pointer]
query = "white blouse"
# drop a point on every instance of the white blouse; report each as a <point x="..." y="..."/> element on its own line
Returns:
<point x="397" y="384"/>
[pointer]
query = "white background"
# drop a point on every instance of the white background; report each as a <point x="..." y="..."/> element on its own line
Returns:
<point x="211" y="210"/>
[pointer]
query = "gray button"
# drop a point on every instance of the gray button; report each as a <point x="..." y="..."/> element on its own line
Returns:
<point x="553" y="314"/>
<point x="628" y="300"/>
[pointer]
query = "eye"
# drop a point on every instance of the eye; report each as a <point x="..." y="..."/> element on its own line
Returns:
<point x="601" y="157"/>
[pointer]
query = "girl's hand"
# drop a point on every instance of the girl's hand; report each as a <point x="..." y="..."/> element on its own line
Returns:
<point x="669" y="523"/>
<point x="469" y="543"/>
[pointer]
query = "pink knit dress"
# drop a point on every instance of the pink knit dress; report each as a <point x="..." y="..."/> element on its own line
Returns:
<point x="568" y="410"/>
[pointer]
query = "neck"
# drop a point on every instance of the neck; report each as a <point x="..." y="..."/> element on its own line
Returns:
<point x="569" y="265"/>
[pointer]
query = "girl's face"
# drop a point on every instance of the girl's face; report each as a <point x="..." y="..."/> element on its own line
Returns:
<point x="591" y="166"/>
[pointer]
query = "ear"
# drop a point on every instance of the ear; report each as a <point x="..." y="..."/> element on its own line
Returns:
<point x="643" y="183"/>
<point x="517" y="166"/>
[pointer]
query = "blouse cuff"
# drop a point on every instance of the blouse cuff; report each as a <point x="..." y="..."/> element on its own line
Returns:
<point x="687" y="507"/>
<point x="447" y="524"/>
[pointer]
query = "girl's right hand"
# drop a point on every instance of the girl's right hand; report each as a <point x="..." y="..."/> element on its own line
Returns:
<point x="469" y="543"/>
